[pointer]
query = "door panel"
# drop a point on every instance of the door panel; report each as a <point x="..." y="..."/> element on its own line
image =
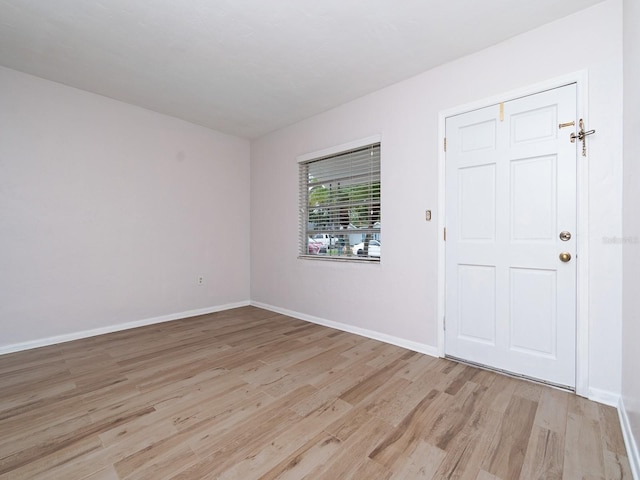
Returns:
<point x="534" y="125"/>
<point x="532" y="330"/>
<point x="510" y="191"/>
<point x="477" y="202"/>
<point x="479" y="136"/>
<point x="477" y="286"/>
<point x="533" y="199"/>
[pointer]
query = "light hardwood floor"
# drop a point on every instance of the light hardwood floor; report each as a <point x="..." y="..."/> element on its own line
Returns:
<point x="247" y="394"/>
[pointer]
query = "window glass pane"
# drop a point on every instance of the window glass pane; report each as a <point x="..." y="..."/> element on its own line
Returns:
<point x="340" y="205"/>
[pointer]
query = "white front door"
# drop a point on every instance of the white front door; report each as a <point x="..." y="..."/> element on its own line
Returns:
<point x="510" y="193"/>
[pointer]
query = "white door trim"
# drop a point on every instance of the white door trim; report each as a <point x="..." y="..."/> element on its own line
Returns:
<point x="582" y="294"/>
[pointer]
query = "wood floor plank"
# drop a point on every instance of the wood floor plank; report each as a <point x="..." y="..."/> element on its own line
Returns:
<point x="318" y="363"/>
<point x="252" y="429"/>
<point x="392" y="403"/>
<point x="346" y="426"/>
<point x="354" y="453"/>
<point x="300" y="463"/>
<point x="471" y="446"/>
<point x="608" y="420"/>
<point x="369" y="385"/>
<point x="340" y="382"/>
<point x="76" y="460"/>
<point x="300" y="447"/>
<point x="248" y="393"/>
<point x="404" y="438"/>
<point x="583" y="430"/>
<point x="16" y="444"/>
<point x="163" y="463"/>
<point x="451" y="421"/>
<point x="56" y="441"/>
<point x="37" y="357"/>
<point x="106" y="473"/>
<point x="465" y="375"/>
<point x="616" y="466"/>
<point x="552" y="410"/>
<point x="510" y="444"/>
<point x="422" y="463"/>
<point x="42" y="399"/>
<point x="482" y="475"/>
<point x="544" y="458"/>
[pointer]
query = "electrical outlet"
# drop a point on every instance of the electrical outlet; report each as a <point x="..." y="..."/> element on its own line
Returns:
<point x="201" y="280"/>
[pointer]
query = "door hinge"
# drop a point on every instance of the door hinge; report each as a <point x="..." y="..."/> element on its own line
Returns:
<point x="502" y="112"/>
<point x="444" y="323"/>
<point x="445" y="234"/>
<point x="445" y="144"/>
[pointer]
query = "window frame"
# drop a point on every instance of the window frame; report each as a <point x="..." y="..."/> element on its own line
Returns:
<point x="304" y="233"/>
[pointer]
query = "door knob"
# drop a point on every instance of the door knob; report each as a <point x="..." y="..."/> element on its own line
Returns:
<point x="565" y="256"/>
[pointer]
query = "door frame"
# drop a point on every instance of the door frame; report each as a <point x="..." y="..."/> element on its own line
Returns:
<point x="580" y="78"/>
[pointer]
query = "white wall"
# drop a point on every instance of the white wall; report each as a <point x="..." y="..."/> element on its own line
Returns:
<point x="109" y="212"/>
<point x="631" y="232"/>
<point x="398" y="297"/>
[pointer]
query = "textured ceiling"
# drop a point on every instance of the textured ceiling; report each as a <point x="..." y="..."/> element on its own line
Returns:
<point x="248" y="67"/>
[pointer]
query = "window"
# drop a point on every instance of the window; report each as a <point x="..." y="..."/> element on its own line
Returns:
<point x="340" y="205"/>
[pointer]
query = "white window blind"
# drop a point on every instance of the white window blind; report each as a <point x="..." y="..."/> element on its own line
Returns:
<point x="340" y="205"/>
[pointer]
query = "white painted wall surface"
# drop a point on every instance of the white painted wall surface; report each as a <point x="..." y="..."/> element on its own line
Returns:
<point x="109" y="213"/>
<point x="398" y="297"/>
<point x="631" y="233"/>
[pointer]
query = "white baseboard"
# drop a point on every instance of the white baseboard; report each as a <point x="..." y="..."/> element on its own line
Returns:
<point x="43" y="342"/>
<point x="604" y="396"/>
<point x="629" y="441"/>
<point x="363" y="332"/>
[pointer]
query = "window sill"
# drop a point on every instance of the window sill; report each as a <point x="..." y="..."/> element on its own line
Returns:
<point x="329" y="258"/>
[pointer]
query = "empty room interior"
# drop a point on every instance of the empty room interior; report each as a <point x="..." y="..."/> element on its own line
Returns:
<point x="323" y="240"/>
